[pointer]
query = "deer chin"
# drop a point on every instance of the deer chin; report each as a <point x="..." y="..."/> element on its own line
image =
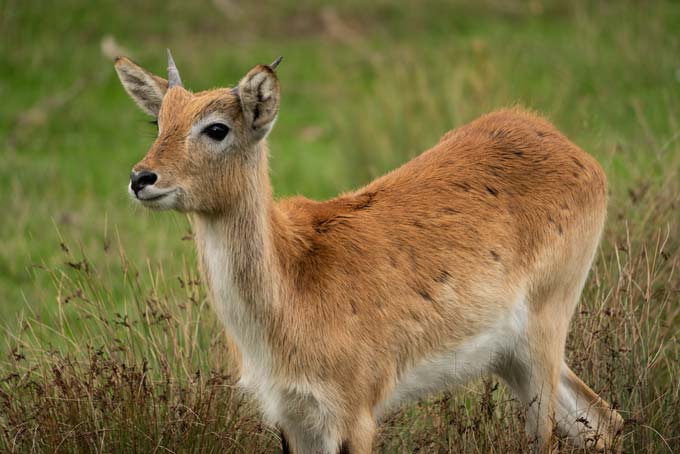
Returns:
<point x="156" y="198"/>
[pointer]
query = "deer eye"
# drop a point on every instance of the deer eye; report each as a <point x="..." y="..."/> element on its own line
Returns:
<point x="216" y="131"/>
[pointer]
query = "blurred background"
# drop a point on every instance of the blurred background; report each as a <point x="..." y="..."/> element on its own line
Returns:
<point x="365" y="87"/>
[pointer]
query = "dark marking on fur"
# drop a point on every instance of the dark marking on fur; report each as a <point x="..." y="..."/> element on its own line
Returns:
<point x="492" y="191"/>
<point x="495" y="255"/>
<point x="442" y="277"/>
<point x="354" y="307"/>
<point x="417" y="223"/>
<point x="449" y="210"/>
<point x="464" y="186"/>
<point x="426" y="295"/>
<point x="519" y="153"/>
<point x="499" y="133"/>
<point x="540" y="134"/>
<point x="559" y="226"/>
<point x="393" y="261"/>
<point x="578" y="163"/>
<point x="365" y="201"/>
<point x="325" y="224"/>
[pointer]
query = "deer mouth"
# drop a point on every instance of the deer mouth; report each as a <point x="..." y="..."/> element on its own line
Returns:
<point x="164" y="201"/>
<point x="155" y="197"/>
<point x="152" y="198"/>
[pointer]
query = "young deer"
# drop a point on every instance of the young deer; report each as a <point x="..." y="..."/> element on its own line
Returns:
<point x="466" y="260"/>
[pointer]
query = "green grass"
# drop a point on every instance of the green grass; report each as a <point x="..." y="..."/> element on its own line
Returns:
<point x="365" y="87"/>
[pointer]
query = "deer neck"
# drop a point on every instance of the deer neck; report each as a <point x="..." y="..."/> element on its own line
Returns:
<point x="238" y="260"/>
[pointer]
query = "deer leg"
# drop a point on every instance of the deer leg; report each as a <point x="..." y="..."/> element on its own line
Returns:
<point x="584" y="417"/>
<point x="359" y="440"/>
<point x="285" y="448"/>
<point x="533" y="373"/>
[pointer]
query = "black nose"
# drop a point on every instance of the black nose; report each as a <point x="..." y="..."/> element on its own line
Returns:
<point x="139" y="180"/>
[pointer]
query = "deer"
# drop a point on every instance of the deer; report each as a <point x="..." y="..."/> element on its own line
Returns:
<point x="467" y="260"/>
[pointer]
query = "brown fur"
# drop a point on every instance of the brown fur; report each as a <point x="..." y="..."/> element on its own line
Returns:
<point x="350" y="294"/>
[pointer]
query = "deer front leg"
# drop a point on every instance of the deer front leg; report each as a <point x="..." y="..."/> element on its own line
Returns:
<point x="285" y="448"/>
<point x="360" y="436"/>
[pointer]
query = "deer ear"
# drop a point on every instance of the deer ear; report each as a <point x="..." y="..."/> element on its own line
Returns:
<point x="146" y="89"/>
<point x="259" y="93"/>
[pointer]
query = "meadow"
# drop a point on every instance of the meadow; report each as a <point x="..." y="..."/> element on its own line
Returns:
<point x="109" y="342"/>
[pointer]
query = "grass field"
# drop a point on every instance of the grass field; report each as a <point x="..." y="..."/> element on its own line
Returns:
<point x="110" y="345"/>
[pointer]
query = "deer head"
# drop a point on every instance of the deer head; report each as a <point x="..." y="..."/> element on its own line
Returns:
<point x="208" y="143"/>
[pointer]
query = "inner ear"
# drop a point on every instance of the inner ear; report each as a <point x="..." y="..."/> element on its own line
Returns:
<point x="146" y="89"/>
<point x="259" y="93"/>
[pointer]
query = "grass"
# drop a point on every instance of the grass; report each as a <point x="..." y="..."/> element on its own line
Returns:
<point x="109" y="343"/>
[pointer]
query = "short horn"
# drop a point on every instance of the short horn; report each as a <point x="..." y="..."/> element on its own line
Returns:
<point x="173" y="74"/>
<point x="276" y="62"/>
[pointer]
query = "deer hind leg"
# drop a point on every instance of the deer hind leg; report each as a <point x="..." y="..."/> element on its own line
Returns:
<point x="584" y="417"/>
<point x="555" y="396"/>
<point x="532" y="371"/>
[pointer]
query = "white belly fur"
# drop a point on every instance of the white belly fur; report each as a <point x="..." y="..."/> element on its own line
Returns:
<point x="466" y="361"/>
